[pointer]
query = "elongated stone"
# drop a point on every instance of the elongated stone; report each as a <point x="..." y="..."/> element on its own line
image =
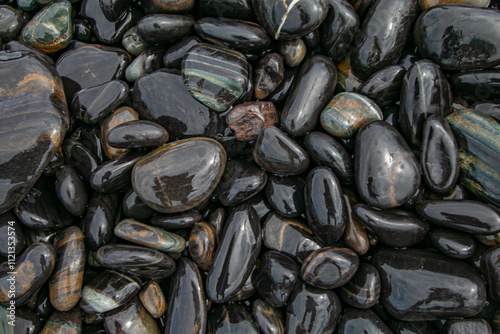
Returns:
<point x="119" y="116"/>
<point x="71" y="190"/>
<point x="51" y="29"/>
<point x="491" y="270"/>
<point x="114" y="175"/>
<point x="100" y="219"/>
<point x="226" y="318"/>
<point x="147" y="62"/>
<point x="467" y="325"/>
<point x="384" y="86"/>
<point x="455" y="244"/>
<point x="149" y="236"/>
<point x="164" y="28"/>
<point x="426" y="4"/>
<point x="153" y="299"/>
<point x="12" y="239"/>
<point x="476" y="85"/>
<point x="133" y="43"/>
<point x="185" y="219"/>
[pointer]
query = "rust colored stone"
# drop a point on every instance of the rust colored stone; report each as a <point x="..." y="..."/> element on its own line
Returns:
<point x="247" y="119"/>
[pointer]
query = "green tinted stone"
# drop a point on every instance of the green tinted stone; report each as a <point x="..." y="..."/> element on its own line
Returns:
<point x="27" y="5"/>
<point x="51" y="29"/>
<point x="133" y="43"/>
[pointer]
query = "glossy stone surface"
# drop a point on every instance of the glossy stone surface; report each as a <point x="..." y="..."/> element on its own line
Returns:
<point x="80" y="157"/>
<point x="147" y="62"/>
<point x="90" y="65"/>
<point x="231" y="318"/>
<point x="137" y="134"/>
<point x="119" y="116"/>
<point x="132" y="318"/>
<point x="187" y="310"/>
<point x="455" y="244"/>
<point x="164" y="28"/>
<point x="426" y="4"/>
<point x="355" y="235"/>
<point x="153" y="299"/>
<point x="276" y="277"/>
<point x="180" y="175"/>
<point x="393" y="227"/>
<point x="476" y="85"/>
<point x="114" y="175"/>
<point x="312" y="310"/>
<point x="247" y="119"/>
<point x="290" y="159"/>
<point x="363" y="290"/>
<point x="185" y="219"/>
<point x="384" y="86"/>
<point x="467" y="326"/>
<point x="268" y="318"/>
<point x="479" y="152"/>
<point x="286" y="195"/>
<point x="34" y="121"/>
<point x="268" y="75"/>
<point x="293" y="51"/>
<point x="362" y="321"/>
<point x="310" y="93"/>
<point x="240" y="181"/>
<point x="202" y="242"/>
<point x="11" y="22"/>
<point x="100" y="219"/>
<point x="490" y="267"/>
<point x="31" y="270"/>
<point x="63" y="322"/>
<point x="467" y="216"/>
<point x="145" y="235"/>
<point x="346" y="113"/>
<point x="71" y="190"/>
<point x="383" y="35"/>
<point x="51" y="29"/>
<point x="290" y="19"/>
<point x="471" y="41"/>
<point x="216" y="76"/>
<point x="27" y="321"/>
<point x="133" y="43"/>
<point x="161" y="97"/>
<point x="94" y="103"/>
<point x="410" y="277"/>
<point x="133" y="207"/>
<point x="113" y="9"/>
<point x="235" y="255"/>
<point x="11" y="235"/>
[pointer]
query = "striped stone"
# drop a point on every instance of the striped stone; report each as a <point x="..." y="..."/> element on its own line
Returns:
<point x="214" y="75"/>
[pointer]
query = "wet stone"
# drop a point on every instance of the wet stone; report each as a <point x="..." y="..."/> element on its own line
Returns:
<point x="281" y="92"/>
<point x="63" y="322"/>
<point x="10" y="230"/>
<point x="167" y="6"/>
<point x="247" y="119"/>
<point x="268" y="75"/>
<point x="153" y="299"/>
<point x="466" y="326"/>
<point x="355" y="235"/>
<point x="384" y="86"/>
<point x="230" y="318"/>
<point x="286" y="195"/>
<point x="363" y="290"/>
<point x="240" y="181"/>
<point x="27" y="321"/>
<point x="147" y="62"/>
<point x="113" y="9"/>
<point x="114" y="175"/>
<point x="137" y="134"/>
<point x="133" y="43"/>
<point x="133" y="207"/>
<point x="490" y="268"/>
<point x="11" y="22"/>
<point x="71" y="190"/>
<point x="131" y="318"/>
<point x="119" y="116"/>
<point x="362" y="321"/>
<point x="476" y="85"/>
<point x="174" y="55"/>
<point x="202" y="242"/>
<point x="185" y="219"/>
<point x="455" y="244"/>
<point x="100" y="219"/>
<point x="80" y="157"/>
<point x="268" y="318"/>
<point x="164" y="28"/>
<point x="233" y="9"/>
<point x="82" y="31"/>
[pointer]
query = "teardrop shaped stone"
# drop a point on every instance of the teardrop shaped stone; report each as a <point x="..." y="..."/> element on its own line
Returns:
<point x="71" y="190"/>
<point x="179" y="175"/>
<point x="384" y="86"/>
<point x="387" y="173"/>
<point x="153" y="299"/>
<point x="51" y="29"/>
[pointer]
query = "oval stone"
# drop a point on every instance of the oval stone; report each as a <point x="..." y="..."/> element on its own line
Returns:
<point x="153" y="299"/>
<point x="202" y="241"/>
<point x="131" y="318"/>
<point x="384" y="86"/>
<point x="363" y="290"/>
<point x="137" y="134"/>
<point x="477" y="85"/>
<point x="490" y="268"/>
<point x="71" y="190"/>
<point x="164" y="28"/>
<point x="63" y="322"/>
<point x="179" y="175"/>
<point x="455" y="244"/>
<point x="247" y="119"/>
<point x="286" y="195"/>
<point x="100" y="219"/>
<point x="11" y="22"/>
<point x="355" y="320"/>
<point x="240" y="181"/>
<point x="387" y="173"/>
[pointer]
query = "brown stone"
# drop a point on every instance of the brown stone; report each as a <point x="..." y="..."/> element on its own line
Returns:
<point x="247" y="119"/>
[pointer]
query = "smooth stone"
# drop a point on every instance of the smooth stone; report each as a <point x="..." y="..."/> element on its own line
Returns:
<point x="347" y="112"/>
<point x="147" y="62"/>
<point x="490" y="268"/>
<point x="153" y="237"/>
<point x="43" y="307"/>
<point x="329" y="267"/>
<point x="386" y="171"/>
<point x="217" y="219"/>
<point x="27" y="321"/>
<point x="355" y="235"/>
<point x="347" y="80"/>
<point x="80" y="157"/>
<point x="91" y="65"/>
<point x="214" y="75"/>
<point x="202" y="242"/>
<point x="235" y="255"/>
<point x="471" y="40"/>
<point x="136" y="260"/>
<point x="176" y="221"/>
<point x="467" y="326"/>
<point x="284" y="20"/>
<point x="51" y="29"/>
<point x="393" y="227"/>
<point x="65" y="285"/>
<point x="34" y="122"/>
<point x="107" y="31"/>
<point x="167" y="6"/>
<point x="281" y="92"/>
<point x="164" y="28"/>
<point x="233" y="34"/>
<point x="425" y="92"/>
<point x="12" y="240"/>
<point x="187" y="309"/>
<point x="131" y="318"/>
<point x="455" y="244"/>
<point x="11" y="22"/>
<point x="247" y="119"/>
<point x="27" y="5"/>
<point x="37" y="211"/>
<point x="286" y="195"/>
<point x="310" y="93"/>
<point x="293" y="51"/>
<point x="466" y="216"/>
<point x="114" y="175"/>
<point x="276" y="277"/>
<point x="247" y="290"/>
<point x="91" y="137"/>
<point x="100" y="219"/>
<point x="476" y="85"/>
<point x="179" y="175"/>
<point x="133" y="43"/>
<point x="289" y="236"/>
<point x="153" y="299"/>
<point x="30" y="271"/>
<point x="71" y="190"/>
<point x="291" y="159"/>
<point x="381" y="39"/>
<point x="233" y="9"/>
<point x="384" y="86"/>
<point x="137" y="134"/>
<point x="411" y="277"/>
<point x="19" y="46"/>
<point x="63" y="322"/>
<point x="268" y="318"/>
<point x="363" y="290"/>
<point x="161" y="97"/>
<point x="426" y="4"/>
<point x="479" y="152"/>
<point x="119" y="116"/>
<point x="312" y="39"/>
<point x="82" y="31"/>
<point x="413" y="327"/>
<point x="113" y="9"/>
<point x="133" y="207"/>
<point x="92" y="104"/>
<point x="231" y="318"/>
<point x="174" y="55"/>
<point x="439" y="158"/>
<point x="268" y="75"/>
<point x="312" y="310"/>
<point x="362" y="321"/>
<point x="240" y="181"/>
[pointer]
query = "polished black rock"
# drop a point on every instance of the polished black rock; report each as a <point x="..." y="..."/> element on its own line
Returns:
<point x="147" y="62"/>
<point x="387" y="173"/>
<point x="231" y="318"/>
<point x="113" y="9"/>
<point x="467" y="39"/>
<point x="281" y="92"/>
<point x="476" y="85"/>
<point x="382" y="36"/>
<point x="362" y="321"/>
<point x="11" y="235"/>
<point x="384" y="86"/>
<point x="455" y="244"/>
<point x="100" y="219"/>
<point x="164" y="28"/>
<point x="137" y="134"/>
<point x="113" y="175"/>
<point x="425" y="92"/>
<point x="312" y="310"/>
<point x="276" y="277"/>
<point x="363" y="290"/>
<point x="412" y="327"/>
<point x="187" y="309"/>
<point x="184" y="219"/>
<point x="11" y="22"/>
<point x="174" y="55"/>
<point x="471" y="326"/>
<point x="27" y="321"/>
<point x="71" y="190"/>
<point x="233" y="9"/>
<point x="202" y="242"/>
<point x="290" y="159"/>
<point x="133" y="207"/>
<point x="80" y="157"/>
<point x="412" y="277"/>
<point x="311" y="92"/>
<point x="268" y="75"/>
<point x="240" y="181"/>
<point x="491" y="270"/>
<point x="467" y="216"/>
<point x="439" y="157"/>
<point x="268" y="318"/>
<point x="130" y="318"/>
<point x="393" y="227"/>
<point x="286" y="195"/>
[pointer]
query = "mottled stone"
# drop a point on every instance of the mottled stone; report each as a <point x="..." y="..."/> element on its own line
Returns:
<point x="247" y="119"/>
